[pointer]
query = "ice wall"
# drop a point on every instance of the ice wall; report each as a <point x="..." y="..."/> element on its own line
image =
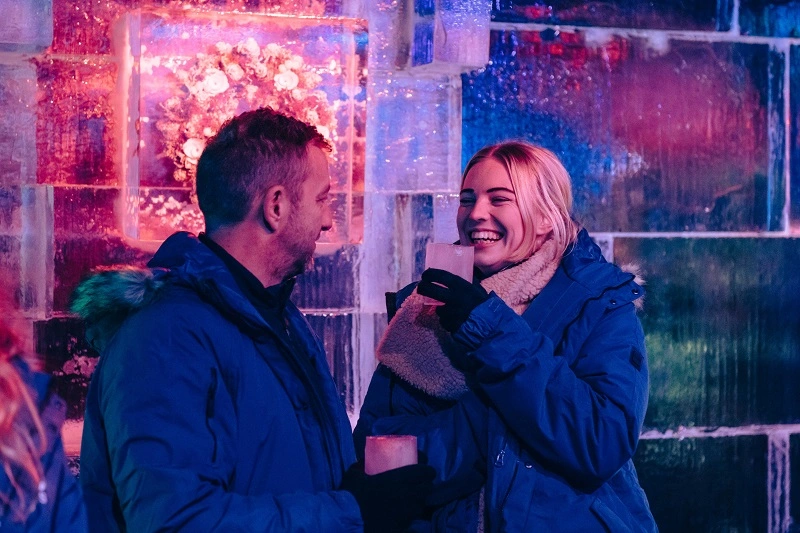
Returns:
<point x="677" y="120"/>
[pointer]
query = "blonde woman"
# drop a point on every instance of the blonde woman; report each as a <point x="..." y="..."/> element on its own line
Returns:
<point x="527" y="388"/>
<point x="37" y="491"/>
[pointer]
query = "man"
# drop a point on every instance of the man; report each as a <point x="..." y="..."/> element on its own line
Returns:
<point x="212" y="406"/>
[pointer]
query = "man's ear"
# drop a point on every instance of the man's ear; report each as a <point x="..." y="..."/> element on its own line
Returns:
<point x="275" y="209"/>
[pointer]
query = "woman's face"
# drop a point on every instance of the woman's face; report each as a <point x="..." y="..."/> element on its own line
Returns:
<point x="488" y="216"/>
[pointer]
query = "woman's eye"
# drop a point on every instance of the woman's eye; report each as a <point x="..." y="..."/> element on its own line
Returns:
<point x="500" y="200"/>
<point x="466" y="201"/>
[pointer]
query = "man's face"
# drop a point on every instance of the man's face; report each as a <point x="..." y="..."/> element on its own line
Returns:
<point x="312" y="215"/>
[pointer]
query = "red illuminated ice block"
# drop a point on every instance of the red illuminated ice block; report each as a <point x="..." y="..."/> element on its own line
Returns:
<point x="387" y="452"/>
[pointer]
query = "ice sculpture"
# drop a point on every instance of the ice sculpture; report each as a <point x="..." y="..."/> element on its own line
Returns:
<point x="185" y="73"/>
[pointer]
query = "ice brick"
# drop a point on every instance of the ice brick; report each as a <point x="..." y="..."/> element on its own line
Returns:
<point x="86" y="210"/>
<point x="17" y="124"/>
<point x="705" y="484"/>
<point x="450" y="36"/>
<point x="769" y="18"/>
<point x="26" y="25"/>
<point x="722" y="327"/>
<point x="26" y="230"/>
<point x="672" y="138"/>
<point x="794" y="136"/>
<point x="337" y="332"/>
<point x="76" y="256"/>
<point x="794" y="473"/>
<point x="658" y="14"/>
<point x="445" y="209"/>
<point x="83" y="27"/>
<point x="76" y="137"/>
<point x="331" y="281"/>
<point x="413" y="144"/>
<point x="396" y="230"/>
<point x="68" y="357"/>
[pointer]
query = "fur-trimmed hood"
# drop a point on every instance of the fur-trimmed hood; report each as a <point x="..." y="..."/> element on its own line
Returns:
<point x="110" y="295"/>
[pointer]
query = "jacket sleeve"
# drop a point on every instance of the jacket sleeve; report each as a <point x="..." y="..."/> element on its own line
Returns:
<point x="154" y="396"/>
<point x="392" y="407"/>
<point x="581" y="421"/>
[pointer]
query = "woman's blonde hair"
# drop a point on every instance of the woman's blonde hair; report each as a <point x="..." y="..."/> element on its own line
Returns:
<point x="542" y="186"/>
<point x="22" y="441"/>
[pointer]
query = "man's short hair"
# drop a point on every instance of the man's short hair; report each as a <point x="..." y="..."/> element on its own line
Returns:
<point x="251" y="153"/>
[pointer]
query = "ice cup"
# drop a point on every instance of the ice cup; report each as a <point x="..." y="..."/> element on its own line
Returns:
<point x="387" y="452"/>
<point x="454" y="258"/>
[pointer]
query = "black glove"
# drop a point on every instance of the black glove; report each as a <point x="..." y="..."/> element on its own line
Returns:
<point x="389" y="501"/>
<point x="459" y="296"/>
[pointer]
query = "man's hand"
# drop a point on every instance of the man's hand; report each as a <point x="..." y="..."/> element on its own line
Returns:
<point x="459" y="296"/>
<point x="389" y="501"/>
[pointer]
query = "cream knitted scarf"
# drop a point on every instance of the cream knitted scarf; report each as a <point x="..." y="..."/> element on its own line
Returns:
<point x="415" y="345"/>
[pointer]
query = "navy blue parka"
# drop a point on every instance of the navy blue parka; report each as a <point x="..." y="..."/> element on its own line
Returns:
<point x="201" y="416"/>
<point x="552" y="419"/>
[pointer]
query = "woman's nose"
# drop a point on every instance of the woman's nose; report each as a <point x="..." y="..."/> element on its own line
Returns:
<point x="479" y="210"/>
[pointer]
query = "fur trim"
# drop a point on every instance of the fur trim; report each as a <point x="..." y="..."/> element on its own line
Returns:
<point x="426" y="366"/>
<point x="638" y="278"/>
<point x="111" y="294"/>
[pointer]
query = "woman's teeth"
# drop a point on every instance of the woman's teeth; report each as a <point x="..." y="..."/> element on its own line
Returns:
<point x="485" y="236"/>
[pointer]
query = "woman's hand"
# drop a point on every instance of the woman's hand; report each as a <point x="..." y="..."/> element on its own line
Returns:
<point x="458" y="295"/>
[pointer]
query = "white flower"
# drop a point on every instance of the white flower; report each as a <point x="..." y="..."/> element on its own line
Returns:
<point x="215" y="82"/>
<point x="208" y="132"/>
<point x="295" y="63"/>
<point x="286" y="81"/>
<point x="251" y="91"/>
<point x="325" y="132"/>
<point x="272" y="49"/>
<point x="234" y="71"/>
<point x="224" y="48"/>
<point x="260" y="70"/>
<point x="193" y="148"/>
<point x="249" y="47"/>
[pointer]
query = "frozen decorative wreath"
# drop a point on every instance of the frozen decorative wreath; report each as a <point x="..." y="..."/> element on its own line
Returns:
<point x="228" y="80"/>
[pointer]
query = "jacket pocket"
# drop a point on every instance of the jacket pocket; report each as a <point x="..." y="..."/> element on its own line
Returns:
<point x="610" y="520"/>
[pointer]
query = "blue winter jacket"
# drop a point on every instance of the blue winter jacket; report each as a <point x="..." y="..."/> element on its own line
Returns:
<point x="200" y="416"/>
<point x="556" y="404"/>
<point x="63" y="507"/>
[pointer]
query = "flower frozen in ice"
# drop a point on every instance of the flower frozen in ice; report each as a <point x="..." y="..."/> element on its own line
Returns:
<point x="215" y="82"/>
<point x="295" y="63"/>
<point x="286" y="81"/>
<point x="249" y="47"/>
<point x="234" y="71"/>
<point x="272" y="49"/>
<point x="251" y="91"/>
<point x="325" y="132"/>
<point x="260" y="70"/>
<point x="224" y="48"/>
<point x="222" y="81"/>
<point x="193" y="148"/>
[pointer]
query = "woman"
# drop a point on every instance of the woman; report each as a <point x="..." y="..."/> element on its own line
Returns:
<point x="37" y="490"/>
<point x="527" y="389"/>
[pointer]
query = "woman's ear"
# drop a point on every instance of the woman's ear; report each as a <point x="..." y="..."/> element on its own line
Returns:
<point x="275" y="208"/>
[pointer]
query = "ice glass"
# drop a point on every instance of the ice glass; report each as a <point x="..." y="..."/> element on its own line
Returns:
<point x="387" y="452"/>
<point x="454" y="258"/>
